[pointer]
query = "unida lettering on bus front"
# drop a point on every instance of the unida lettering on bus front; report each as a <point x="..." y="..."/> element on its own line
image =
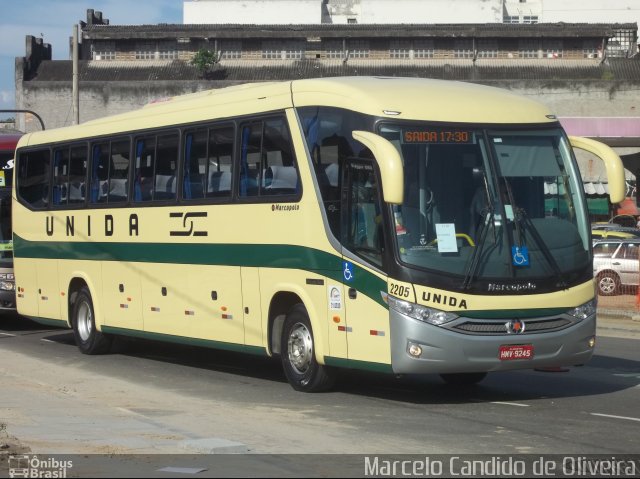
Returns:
<point x="444" y="299"/>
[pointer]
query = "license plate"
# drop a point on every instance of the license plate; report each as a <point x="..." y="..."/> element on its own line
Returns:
<point x="518" y="351"/>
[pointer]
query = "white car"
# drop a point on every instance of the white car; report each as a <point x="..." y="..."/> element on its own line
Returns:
<point x="616" y="264"/>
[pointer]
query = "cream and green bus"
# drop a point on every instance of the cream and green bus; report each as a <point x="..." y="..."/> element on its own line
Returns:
<point x="407" y="226"/>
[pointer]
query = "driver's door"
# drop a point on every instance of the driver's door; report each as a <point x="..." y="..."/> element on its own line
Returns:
<point x="363" y="252"/>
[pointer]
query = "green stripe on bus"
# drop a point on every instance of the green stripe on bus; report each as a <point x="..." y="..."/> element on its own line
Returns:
<point x="205" y="343"/>
<point x="58" y="323"/>
<point x="355" y="364"/>
<point x="247" y="255"/>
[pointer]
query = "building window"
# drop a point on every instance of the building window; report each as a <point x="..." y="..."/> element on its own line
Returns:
<point x="530" y="19"/>
<point x="352" y="20"/>
<point x="399" y="49"/>
<point x="591" y="49"/>
<point x="333" y="49"/>
<point x="511" y="19"/>
<point x="294" y="50"/>
<point x="271" y="50"/>
<point x="359" y="49"/>
<point x="622" y="44"/>
<point x="553" y="49"/>
<point x="463" y="48"/>
<point x="231" y="50"/>
<point x="104" y="51"/>
<point x="168" y="50"/>
<point x="528" y="48"/>
<point x="423" y="49"/>
<point x="487" y="49"/>
<point x="145" y="51"/>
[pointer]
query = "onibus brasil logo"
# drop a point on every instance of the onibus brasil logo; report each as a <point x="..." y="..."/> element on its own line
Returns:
<point x="33" y="466"/>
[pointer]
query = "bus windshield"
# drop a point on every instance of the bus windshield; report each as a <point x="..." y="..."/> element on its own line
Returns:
<point x="489" y="204"/>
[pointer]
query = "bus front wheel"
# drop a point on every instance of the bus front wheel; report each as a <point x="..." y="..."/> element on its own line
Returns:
<point x="298" y="354"/>
<point x="88" y="338"/>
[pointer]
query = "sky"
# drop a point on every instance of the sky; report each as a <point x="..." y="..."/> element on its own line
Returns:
<point x="52" y="20"/>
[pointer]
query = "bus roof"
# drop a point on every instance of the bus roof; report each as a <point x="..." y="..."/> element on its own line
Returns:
<point x="399" y="98"/>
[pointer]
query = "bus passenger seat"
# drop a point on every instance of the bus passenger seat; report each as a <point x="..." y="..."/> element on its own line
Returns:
<point x="281" y="178"/>
<point x="219" y="182"/>
<point x="165" y="187"/>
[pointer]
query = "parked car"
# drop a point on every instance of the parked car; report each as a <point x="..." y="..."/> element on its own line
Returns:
<point x="616" y="265"/>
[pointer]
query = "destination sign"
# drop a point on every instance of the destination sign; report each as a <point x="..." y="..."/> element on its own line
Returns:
<point x="438" y="136"/>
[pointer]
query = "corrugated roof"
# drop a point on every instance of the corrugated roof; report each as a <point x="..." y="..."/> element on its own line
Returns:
<point x="552" y="30"/>
<point x="274" y="70"/>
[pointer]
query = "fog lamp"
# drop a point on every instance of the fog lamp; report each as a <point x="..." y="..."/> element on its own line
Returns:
<point x="415" y="350"/>
<point x="592" y="341"/>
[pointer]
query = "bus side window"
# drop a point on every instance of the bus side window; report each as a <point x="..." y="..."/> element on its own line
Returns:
<point x="279" y="169"/>
<point x="164" y="184"/>
<point x="143" y="173"/>
<point x="220" y="161"/>
<point x="99" y="173"/>
<point x="78" y="175"/>
<point x="250" y="153"/>
<point x="117" y="190"/>
<point x="60" y="189"/>
<point x="195" y="165"/>
<point x="33" y="178"/>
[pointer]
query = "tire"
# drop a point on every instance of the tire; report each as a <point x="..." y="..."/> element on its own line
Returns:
<point x="88" y="339"/>
<point x="298" y="354"/>
<point x="463" y="379"/>
<point x="608" y="284"/>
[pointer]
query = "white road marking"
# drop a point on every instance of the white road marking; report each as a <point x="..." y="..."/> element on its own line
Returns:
<point x="7" y="334"/>
<point x="510" y="403"/>
<point x="616" y="417"/>
<point x="47" y="341"/>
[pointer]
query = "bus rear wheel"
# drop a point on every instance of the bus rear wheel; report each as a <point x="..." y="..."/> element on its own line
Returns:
<point x="88" y="339"/>
<point x="298" y="354"/>
<point x="463" y="379"/>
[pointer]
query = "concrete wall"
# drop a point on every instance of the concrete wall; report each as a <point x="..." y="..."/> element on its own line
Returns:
<point x="266" y="12"/>
<point x="592" y="11"/>
<point x="52" y="100"/>
<point x="431" y="11"/>
<point x="407" y="11"/>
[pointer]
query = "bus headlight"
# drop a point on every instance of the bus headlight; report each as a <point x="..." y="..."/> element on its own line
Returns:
<point x="421" y="313"/>
<point x="584" y="311"/>
<point x="7" y="286"/>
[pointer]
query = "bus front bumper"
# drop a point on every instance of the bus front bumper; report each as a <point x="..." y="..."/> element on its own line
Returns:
<point x="443" y="350"/>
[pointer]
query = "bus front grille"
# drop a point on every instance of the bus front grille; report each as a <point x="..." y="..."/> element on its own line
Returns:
<point x="500" y="328"/>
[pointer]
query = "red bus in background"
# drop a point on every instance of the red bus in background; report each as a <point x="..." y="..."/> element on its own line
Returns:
<point x="8" y="142"/>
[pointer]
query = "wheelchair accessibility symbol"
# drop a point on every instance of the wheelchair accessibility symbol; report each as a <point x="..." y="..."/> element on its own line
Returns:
<point x="347" y="271"/>
<point x="520" y="255"/>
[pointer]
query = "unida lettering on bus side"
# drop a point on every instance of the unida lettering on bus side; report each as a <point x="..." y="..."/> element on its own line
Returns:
<point x="85" y="225"/>
<point x="444" y="299"/>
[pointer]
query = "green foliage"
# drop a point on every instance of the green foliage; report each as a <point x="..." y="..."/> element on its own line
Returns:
<point x="204" y="60"/>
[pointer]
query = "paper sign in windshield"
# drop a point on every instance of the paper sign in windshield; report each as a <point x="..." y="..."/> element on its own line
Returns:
<point x="446" y="234"/>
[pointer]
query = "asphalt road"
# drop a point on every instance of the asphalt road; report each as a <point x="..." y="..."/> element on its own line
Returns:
<point x="148" y="397"/>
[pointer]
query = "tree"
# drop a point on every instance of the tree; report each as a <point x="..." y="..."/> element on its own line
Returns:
<point x="204" y="60"/>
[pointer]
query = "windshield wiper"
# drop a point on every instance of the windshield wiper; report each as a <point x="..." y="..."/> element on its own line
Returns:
<point x="521" y="217"/>
<point x="488" y="214"/>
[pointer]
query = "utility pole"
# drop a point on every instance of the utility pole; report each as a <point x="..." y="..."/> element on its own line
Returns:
<point x="75" y="93"/>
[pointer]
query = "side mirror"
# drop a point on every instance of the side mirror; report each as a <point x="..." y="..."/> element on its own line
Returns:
<point x="389" y="162"/>
<point x="612" y="162"/>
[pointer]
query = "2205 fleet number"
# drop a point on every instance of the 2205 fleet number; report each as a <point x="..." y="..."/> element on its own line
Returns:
<point x="399" y="291"/>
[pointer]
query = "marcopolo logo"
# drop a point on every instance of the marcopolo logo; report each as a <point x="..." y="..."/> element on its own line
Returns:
<point x="34" y="466"/>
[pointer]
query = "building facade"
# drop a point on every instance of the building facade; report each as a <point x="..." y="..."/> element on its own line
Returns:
<point x="570" y="67"/>
<point x="409" y="11"/>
